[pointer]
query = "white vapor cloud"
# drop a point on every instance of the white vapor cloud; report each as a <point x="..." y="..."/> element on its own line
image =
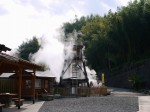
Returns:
<point x="51" y="54"/>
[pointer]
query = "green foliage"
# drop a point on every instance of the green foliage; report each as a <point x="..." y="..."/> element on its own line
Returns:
<point x="95" y="42"/>
<point x="117" y="38"/>
<point x="28" y="48"/>
<point x="136" y="81"/>
<point x="75" y="26"/>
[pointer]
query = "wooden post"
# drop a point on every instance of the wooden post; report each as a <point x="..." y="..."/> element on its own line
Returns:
<point x="85" y="73"/>
<point x="103" y="81"/>
<point x="49" y="90"/>
<point x="20" y="84"/>
<point x="33" y="86"/>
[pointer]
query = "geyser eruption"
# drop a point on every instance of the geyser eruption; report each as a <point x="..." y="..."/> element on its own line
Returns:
<point x="53" y="54"/>
<point x="74" y="69"/>
<point x="92" y="76"/>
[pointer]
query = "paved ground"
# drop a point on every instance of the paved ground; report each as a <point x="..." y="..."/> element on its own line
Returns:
<point x="120" y="100"/>
<point x="143" y="100"/>
<point x="92" y="104"/>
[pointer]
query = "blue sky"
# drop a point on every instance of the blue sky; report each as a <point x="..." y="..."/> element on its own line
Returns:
<point x="22" y="19"/>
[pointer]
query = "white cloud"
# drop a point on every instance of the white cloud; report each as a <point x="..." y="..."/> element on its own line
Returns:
<point x="25" y="22"/>
<point x="23" y="19"/>
<point x="107" y="7"/>
<point x="123" y="2"/>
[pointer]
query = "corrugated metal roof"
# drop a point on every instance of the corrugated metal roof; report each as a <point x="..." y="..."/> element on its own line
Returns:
<point x="6" y="75"/>
<point x="37" y="73"/>
<point x="44" y="74"/>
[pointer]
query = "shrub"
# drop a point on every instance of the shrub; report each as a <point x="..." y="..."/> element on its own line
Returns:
<point x="136" y="81"/>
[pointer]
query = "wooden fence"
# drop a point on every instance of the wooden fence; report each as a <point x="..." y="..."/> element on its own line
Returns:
<point x="82" y="91"/>
<point x="7" y="85"/>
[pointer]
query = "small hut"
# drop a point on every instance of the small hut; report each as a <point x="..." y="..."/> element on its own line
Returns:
<point x="44" y="80"/>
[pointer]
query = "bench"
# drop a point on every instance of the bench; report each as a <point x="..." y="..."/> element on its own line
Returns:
<point x="17" y="102"/>
<point x="47" y="97"/>
<point x="1" y="106"/>
<point x="13" y="99"/>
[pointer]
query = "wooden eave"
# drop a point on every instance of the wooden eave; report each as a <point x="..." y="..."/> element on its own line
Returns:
<point x="4" y="48"/>
<point x="11" y="64"/>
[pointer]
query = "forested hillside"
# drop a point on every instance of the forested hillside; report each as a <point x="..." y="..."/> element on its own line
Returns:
<point x="117" y="38"/>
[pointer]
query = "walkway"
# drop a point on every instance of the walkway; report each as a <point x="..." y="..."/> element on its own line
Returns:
<point x="144" y="103"/>
<point x="27" y="107"/>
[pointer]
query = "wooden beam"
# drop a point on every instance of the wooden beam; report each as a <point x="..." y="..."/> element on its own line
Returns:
<point x="20" y="85"/>
<point x="85" y="73"/>
<point x="1" y="62"/>
<point x="33" y="86"/>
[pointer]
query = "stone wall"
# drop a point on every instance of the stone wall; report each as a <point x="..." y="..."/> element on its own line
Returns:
<point x="120" y="77"/>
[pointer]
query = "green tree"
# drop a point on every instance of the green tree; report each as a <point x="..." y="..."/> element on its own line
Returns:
<point x="95" y="36"/>
<point x="28" y="48"/>
<point x="74" y="26"/>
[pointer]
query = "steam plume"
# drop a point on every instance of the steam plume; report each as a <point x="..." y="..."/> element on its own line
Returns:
<point x="51" y="54"/>
<point x="54" y="52"/>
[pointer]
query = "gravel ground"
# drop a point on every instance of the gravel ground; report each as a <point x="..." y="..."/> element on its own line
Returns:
<point x="92" y="104"/>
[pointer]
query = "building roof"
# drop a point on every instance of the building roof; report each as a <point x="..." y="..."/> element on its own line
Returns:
<point x="28" y="73"/>
<point x="6" y="75"/>
<point x="44" y="74"/>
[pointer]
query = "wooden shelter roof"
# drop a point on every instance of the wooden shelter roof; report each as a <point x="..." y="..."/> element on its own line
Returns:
<point x="4" y="48"/>
<point x="11" y="64"/>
